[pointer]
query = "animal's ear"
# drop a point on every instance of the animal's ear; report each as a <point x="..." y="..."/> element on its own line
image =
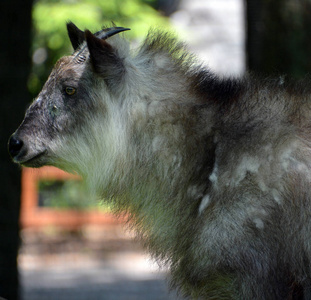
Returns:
<point x="76" y="35"/>
<point x="105" y="59"/>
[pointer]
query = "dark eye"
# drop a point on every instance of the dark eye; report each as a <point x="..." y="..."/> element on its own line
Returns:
<point x="70" y="90"/>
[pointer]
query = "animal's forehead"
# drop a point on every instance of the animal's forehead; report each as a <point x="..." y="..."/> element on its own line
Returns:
<point x="66" y="67"/>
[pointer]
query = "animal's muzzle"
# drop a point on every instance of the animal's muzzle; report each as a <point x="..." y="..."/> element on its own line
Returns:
<point x="15" y="146"/>
<point x="21" y="153"/>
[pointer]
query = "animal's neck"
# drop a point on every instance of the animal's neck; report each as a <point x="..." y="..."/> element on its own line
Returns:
<point x="169" y="176"/>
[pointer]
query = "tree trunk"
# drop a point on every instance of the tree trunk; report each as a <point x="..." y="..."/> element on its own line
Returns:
<point x="278" y="36"/>
<point x="15" y="40"/>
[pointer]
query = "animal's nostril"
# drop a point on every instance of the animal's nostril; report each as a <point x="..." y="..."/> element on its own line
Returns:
<point x="15" y="145"/>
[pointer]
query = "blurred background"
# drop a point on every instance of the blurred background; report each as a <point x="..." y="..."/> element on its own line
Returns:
<point x="56" y="242"/>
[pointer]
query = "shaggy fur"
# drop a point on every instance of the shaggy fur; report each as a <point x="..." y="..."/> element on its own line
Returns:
<point x="215" y="173"/>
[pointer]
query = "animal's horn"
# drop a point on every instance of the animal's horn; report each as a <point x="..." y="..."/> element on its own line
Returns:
<point x="103" y="34"/>
<point x="108" y="32"/>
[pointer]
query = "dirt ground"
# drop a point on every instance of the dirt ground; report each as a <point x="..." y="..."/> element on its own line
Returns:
<point x="91" y="263"/>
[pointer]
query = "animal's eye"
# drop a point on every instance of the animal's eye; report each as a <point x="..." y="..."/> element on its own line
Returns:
<point x="70" y="90"/>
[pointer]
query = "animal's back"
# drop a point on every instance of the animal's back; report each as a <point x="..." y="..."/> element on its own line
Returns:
<point x="257" y="207"/>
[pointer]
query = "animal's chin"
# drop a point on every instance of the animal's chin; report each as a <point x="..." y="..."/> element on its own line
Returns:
<point x="36" y="161"/>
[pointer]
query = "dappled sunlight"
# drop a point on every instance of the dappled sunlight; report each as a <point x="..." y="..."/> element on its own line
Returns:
<point x="94" y="263"/>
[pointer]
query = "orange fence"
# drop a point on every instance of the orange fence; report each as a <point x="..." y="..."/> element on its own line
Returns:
<point x="34" y="216"/>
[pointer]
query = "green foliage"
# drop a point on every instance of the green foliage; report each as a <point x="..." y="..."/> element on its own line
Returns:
<point x="69" y="194"/>
<point x="50" y="40"/>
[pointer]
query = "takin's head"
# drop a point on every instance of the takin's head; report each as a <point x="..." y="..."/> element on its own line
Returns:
<point x="71" y="98"/>
<point x="98" y="102"/>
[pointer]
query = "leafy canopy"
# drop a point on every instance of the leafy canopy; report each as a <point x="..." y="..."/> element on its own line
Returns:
<point x="50" y="40"/>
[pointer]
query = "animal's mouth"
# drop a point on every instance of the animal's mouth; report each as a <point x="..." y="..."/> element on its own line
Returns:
<point x="35" y="161"/>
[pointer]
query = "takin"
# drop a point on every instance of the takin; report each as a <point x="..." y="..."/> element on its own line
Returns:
<point x="214" y="173"/>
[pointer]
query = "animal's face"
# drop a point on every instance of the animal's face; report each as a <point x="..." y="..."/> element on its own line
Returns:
<point x="64" y="113"/>
<point x="57" y="113"/>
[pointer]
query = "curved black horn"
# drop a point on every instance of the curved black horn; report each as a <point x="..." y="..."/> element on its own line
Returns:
<point x="80" y="55"/>
<point x="108" y="32"/>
